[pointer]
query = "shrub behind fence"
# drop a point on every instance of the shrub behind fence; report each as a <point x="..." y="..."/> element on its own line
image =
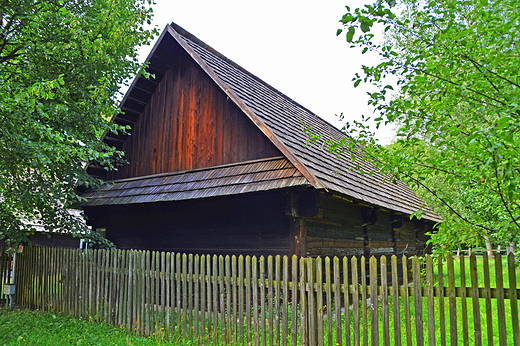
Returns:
<point x="279" y="300"/>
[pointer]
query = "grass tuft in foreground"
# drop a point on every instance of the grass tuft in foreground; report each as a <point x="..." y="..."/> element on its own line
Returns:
<point x="26" y="327"/>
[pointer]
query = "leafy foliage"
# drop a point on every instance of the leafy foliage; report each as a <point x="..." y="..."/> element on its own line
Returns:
<point x="457" y="107"/>
<point x="61" y="64"/>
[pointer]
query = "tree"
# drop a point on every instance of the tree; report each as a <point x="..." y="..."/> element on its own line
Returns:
<point x="456" y="107"/>
<point x="61" y="65"/>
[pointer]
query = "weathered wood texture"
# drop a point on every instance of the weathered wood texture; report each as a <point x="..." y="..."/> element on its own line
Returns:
<point x="339" y="229"/>
<point x="189" y="123"/>
<point x="254" y="224"/>
<point x="202" y="298"/>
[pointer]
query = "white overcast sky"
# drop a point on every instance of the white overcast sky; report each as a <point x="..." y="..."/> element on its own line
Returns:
<point x="291" y="45"/>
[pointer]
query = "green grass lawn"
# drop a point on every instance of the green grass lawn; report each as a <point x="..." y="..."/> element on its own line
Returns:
<point x="26" y="327"/>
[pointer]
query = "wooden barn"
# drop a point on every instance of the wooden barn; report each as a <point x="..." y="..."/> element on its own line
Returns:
<point x="218" y="164"/>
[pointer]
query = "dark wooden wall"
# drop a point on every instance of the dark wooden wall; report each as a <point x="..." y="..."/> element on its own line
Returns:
<point x="342" y="227"/>
<point x="249" y="224"/>
<point x="190" y="123"/>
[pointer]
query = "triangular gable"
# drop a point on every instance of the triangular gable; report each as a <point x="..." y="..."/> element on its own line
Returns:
<point x="188" y="123"/>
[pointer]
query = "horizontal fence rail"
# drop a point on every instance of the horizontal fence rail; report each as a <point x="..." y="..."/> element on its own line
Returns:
<point x="280" y="300"/>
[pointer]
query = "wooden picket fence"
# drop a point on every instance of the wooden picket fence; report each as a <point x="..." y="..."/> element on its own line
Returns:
<point x="279" y="300"/>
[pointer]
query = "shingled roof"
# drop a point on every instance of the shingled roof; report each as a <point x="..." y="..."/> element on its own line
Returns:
<point x="281" y="119"/>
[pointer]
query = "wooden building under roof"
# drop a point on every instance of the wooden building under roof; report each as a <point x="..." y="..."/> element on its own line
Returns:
<point x="218" y="164"/>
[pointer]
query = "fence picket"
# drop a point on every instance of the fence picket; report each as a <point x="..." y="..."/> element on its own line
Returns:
<point x="513" y="297"/>
<point x="241" y="299"/>
<point x="235" y="297"/>
<point x="406" y="296"/>
<point x="285" y="303"/>
<point x="328" y="291"/>
<point x="248" y="298"/>
<point x="355" y="300"/>
<point x="502" y="333"/>
<point x="262" y="299"/>
<point x="189" y="281"/>
<point x="463" y="302"/>
<point x="270" y="294"/>
<point x="277" y="278"/>
<point x="430" y="300"/>
<point x="395" y="297"/>
<point x="475" y="298"/>
<point x="364" y="301"/>
<point x="374" y="323"/>
<point x="442" y="316"/>
<point x="452" y="301"/>
<point x="419" y="331"/>
<point x="384" y="302"/>
<point x="304" y="336"/>
<point x="254" y="279"/>
<point x="319" y="301"/>
<point x="346" y="293"/>
<point x="337" y="301"/>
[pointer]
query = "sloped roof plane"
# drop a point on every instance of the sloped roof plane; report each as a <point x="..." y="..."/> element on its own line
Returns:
<point x="281" y="119"/>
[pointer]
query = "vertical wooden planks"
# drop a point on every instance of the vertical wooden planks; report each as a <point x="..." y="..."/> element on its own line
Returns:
<point x="502" y="333"/>
<point x="277" y="299"/>
<point x="513" y="296"/>
<point x="374" y="323"/>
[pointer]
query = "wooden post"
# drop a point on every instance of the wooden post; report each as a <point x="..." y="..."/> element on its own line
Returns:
<point x="297" y="230"/>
